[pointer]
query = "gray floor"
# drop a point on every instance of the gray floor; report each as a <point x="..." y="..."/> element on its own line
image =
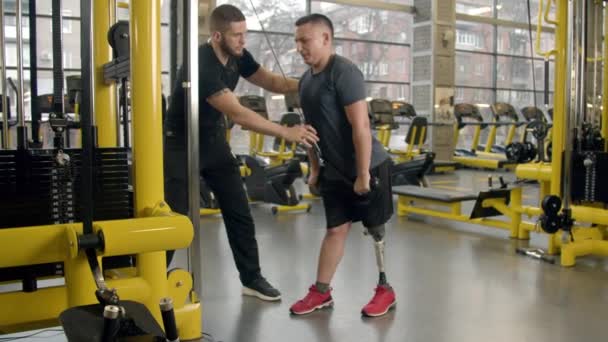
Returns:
<point x="454" y="282"/>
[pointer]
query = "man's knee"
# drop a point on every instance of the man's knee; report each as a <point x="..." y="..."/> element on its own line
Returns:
<point x="377" y="232"/>
<point x="340" y="231"/>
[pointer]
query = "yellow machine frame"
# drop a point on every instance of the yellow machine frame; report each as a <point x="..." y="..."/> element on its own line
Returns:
<point x="155" y="229"/>
<point x="587" y="240"/>
<point x="256" y="148"/>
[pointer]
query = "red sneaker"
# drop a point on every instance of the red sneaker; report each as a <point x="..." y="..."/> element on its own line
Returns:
<point x="383" y="300"/>
<point x="314" y="300"/>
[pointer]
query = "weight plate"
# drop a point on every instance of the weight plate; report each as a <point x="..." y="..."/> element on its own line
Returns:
<point x="551" y="205"/>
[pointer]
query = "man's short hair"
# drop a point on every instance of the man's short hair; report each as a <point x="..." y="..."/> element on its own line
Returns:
<point x="222" y="16"/>
<point x="317" y="18"/>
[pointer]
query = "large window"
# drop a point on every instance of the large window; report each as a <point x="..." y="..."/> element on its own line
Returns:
<point x="494" y="62"/>
<point x="275" y="15"/>
<point x="483" y="8"/>
<point x="368" y="37"/>
<point x="71" y="46"/>
<point x="377" y="41"/>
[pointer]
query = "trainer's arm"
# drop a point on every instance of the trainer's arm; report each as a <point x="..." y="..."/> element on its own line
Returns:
<point x="273" y="82"/>
<point x="362" y="137"/>
<point x="226" y="102"/>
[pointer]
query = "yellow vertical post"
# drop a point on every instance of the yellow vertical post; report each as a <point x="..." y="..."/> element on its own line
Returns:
<point x="382" y="137"/>
<point x="410" y="144"/>
<point x="105" y="95"/>
<point x="476" y="136"/>
<point x="147" y="134"/>
<point x="252" y="143"/>
<point x="559" y="114"/>
<point x="260" y="142"/>
<point x="491" y="138"/>
<point x="516" y="232"/>
<point x="544" y="190"/>
<point x="146" y="103"/>
<point x="421" y="140"/>
<point x="560" y="97"/>
<point x="511" y="134"/>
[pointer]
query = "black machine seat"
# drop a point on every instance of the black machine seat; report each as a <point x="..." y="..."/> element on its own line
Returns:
<point x="532" y="113"/>
<point x="405" y="109"/>
<point x="381" y="111"/>
<point x="290" y="119"/>
<point x="419" y="137"/>
<point x="467" y="110"/>
<point x="292" y="167"/>
<point x="412" y="172"/>
<point x="501" y="109"/>
<point x="256" y="103"/>
<point x="440" y="195"/>
<point x="272" y="184"/>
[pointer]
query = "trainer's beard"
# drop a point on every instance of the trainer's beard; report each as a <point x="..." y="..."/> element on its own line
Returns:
<point x="227" y="50"/>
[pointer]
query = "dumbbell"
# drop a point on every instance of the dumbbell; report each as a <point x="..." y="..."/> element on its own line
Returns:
<point x="531" y="152"/>
<point x="520" y="152"/>
<point x="315" y="189"/>
<point x="514" y="151"/>
<point x="550" y="220"/>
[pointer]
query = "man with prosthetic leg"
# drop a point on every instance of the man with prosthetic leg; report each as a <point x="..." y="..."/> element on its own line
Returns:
<point x="350" y="167"/>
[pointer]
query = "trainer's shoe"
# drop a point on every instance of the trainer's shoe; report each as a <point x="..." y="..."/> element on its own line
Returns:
<point x="383" y="300"/>
<point x="262" y="289"/>
<point x="314" y="300"/>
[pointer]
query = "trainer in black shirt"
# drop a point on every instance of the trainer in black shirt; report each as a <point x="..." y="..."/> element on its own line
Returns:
<point x="222" y="61"/>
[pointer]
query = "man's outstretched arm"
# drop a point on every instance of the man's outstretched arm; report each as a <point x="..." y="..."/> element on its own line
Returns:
<point x="273" y="82"/>
<point x="226" y="102"/>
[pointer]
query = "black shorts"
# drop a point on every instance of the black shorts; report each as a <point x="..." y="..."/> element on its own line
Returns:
<point x="343" y="205"/>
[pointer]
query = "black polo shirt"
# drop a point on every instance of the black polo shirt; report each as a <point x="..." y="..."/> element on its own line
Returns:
<point x="213" y="77"/>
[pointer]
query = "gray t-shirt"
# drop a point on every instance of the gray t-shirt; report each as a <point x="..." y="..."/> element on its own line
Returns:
<point x="323" y="97"/>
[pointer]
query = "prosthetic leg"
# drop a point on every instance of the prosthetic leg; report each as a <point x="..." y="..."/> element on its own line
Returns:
<point x="384" y="297"/>
<point x="377" y="234"/>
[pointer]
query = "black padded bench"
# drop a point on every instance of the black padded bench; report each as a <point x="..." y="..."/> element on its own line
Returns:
<point x="439" y="195"/>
